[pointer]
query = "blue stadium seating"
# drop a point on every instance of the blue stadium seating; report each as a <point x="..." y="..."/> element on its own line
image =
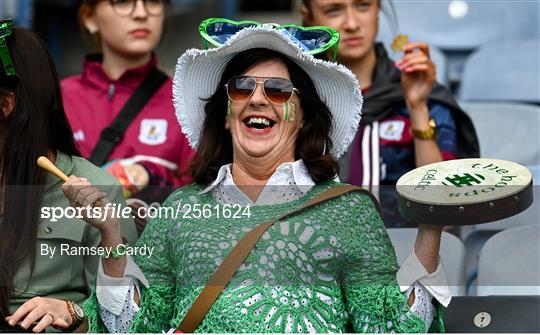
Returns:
<point x="475" y="237"/>
<point x="466" y="25"/>
<point x="508" y="131"/>
<point x="510" y="263"/>
<point x="452" y="254"/>
<point x="21" y="11"/>
<point x="458" y="27"/>
<point x="506" y="71"/>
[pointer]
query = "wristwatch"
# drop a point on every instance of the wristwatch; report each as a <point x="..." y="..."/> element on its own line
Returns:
<point x="427" y="134"/>
<point x="77" y="315"/>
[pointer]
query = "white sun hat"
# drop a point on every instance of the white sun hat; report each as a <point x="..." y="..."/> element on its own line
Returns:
<point x="198" y="73"/>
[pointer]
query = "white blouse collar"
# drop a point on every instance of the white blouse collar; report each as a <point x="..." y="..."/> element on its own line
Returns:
<point x="290" y="174"/>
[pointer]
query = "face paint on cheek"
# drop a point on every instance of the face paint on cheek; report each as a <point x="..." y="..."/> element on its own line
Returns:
<point x="290" y="111"/>
<point x="229" y="108"/>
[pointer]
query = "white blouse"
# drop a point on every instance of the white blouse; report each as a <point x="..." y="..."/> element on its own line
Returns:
<point x="290" y="181"/>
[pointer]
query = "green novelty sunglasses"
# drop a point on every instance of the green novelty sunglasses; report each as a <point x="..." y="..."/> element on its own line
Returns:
<point x="6" y="29"/>
<point x="313" y="40"/>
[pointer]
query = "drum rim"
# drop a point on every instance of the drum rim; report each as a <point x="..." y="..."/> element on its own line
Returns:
<point x="466" y="214"/>
<point x="518" y="190"/>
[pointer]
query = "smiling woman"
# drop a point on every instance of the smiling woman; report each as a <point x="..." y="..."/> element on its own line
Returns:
<point x="268" y="120"/>
<point x="289" y="136"/>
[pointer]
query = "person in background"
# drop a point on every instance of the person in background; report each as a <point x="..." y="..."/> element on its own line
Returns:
<point x="41" y="288"/>
<point x="153" y="150"/>
<point x="408" y="119"/>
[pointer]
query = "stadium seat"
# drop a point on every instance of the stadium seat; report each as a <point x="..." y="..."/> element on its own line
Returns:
<point x="452" y="253"/>
<point x="510" y="263"/>
<point x="475" y="237"/>
<point x="7" y="9"/>
<point x="20" y="11"/>
<point x="474" y="242"/>
<point x="465" y="24"/>
<point x="458" y="27"/>
<point x="508" y="131"/>
<point x="530" y="216"/>
<point x="503" y="71"/>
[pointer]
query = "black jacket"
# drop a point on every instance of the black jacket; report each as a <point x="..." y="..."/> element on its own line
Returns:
<point x="386" y="92"/>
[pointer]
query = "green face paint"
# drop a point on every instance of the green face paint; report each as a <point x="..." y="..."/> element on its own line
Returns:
<point x="290" y="111"/>
<point x="229" y="108"/>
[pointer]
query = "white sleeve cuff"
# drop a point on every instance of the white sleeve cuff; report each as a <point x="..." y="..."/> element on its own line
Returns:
<point x="435" y="283"/>
<point x="111" y="292"/>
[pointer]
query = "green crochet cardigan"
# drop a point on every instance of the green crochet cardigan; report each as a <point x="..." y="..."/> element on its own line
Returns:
<point x="331" y="268"/>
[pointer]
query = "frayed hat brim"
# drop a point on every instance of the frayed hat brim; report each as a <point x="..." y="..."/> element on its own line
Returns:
<point x="198" y="73"/>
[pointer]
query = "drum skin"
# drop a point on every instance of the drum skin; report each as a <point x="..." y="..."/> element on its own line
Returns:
<point x="464" y="192"/>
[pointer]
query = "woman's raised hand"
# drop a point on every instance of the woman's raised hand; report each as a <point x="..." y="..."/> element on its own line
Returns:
<point x="417" y="74"/>
<point x="94" y="205"/>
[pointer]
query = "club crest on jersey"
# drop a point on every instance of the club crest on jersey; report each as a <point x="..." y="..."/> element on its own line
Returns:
<point x="391" y="130"/>
<point x="153" y="131"/>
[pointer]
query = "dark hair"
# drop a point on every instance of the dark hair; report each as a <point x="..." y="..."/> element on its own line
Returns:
<point x="215" y="145"/>
<point x="36" y="127"/>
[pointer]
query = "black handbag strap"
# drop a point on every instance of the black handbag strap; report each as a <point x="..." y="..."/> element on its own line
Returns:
<point x="114" y="133"/>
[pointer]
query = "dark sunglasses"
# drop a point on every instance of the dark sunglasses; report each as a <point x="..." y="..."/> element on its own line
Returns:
<point x="276" y="90"/>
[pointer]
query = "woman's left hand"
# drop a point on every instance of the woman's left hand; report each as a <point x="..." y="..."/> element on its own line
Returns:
<point x="45" y="311"/>
<point x="417" y="74"/>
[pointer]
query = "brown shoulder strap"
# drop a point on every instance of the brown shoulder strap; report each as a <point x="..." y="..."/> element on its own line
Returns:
<point x="236" y="257"/>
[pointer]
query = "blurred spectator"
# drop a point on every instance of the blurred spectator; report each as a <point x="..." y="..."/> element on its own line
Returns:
<point x="408" y="120"/>
<point x="145" y="145"/>
<point x="40" y="289"/>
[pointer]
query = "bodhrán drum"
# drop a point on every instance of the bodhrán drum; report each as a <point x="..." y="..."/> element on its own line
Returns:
<point x="464" y="192"/>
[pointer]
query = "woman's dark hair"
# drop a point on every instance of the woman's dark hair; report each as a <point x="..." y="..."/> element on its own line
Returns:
<point x="215" y="145"/>
<point x="36" y="127"/>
